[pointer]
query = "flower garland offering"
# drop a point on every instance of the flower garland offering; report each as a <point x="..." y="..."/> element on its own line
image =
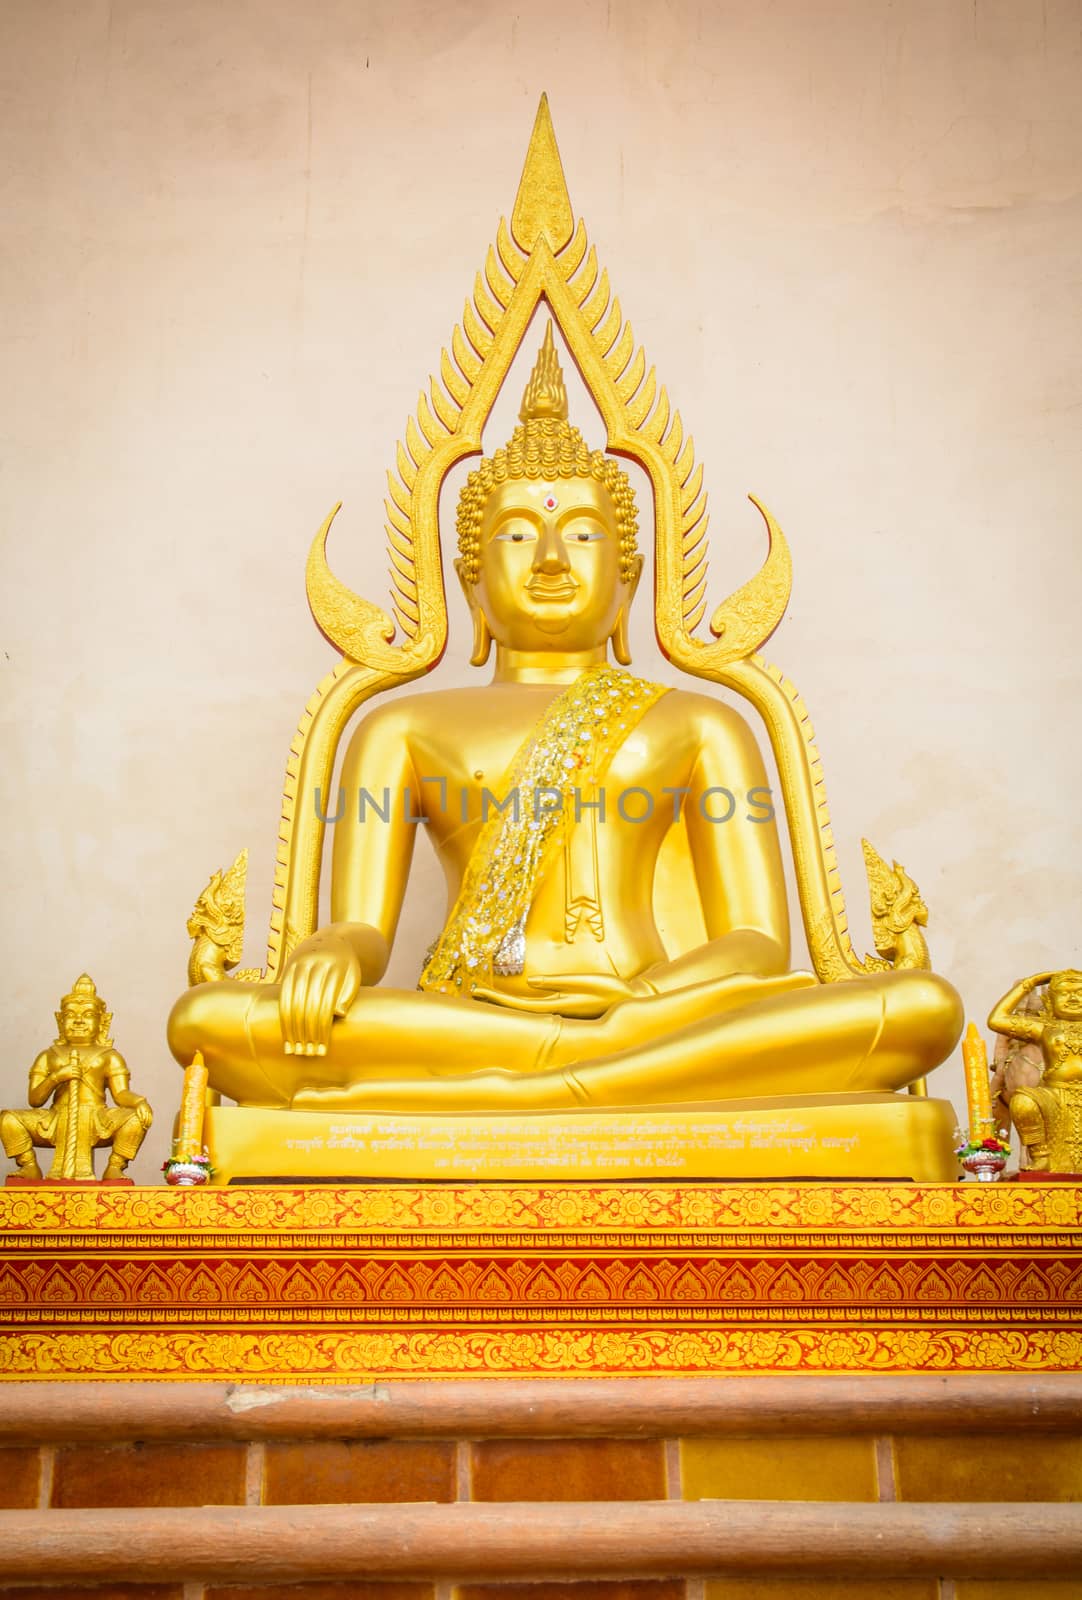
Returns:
<point x="995" y="1145"/>
<point x="187" y="1172"/>
<point x="984" y="1159"/>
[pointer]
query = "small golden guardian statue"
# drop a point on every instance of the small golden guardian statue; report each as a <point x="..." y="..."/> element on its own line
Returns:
<point x="1048" y="1115"/>
<point x="73" y="1074"/>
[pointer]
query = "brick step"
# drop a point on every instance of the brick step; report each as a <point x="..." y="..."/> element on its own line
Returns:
<point x="800" y="1488"/>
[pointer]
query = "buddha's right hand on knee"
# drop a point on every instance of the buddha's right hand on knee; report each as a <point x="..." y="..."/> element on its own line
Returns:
<point x="320" y="983"/>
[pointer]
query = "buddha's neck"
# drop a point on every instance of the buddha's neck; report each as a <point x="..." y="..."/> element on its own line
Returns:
<point x="545" y="666"/>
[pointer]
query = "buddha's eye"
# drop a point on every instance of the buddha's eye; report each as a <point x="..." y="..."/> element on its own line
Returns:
<point x="584" y="535"/>
<point x="515" y="535"/>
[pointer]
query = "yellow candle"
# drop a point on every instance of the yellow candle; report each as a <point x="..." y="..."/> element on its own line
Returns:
<point x="978" y="1086"/>
<point x="192" y="1102"/>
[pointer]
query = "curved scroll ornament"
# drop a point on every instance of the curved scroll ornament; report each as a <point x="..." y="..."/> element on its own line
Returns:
<point x="545" y="255"/>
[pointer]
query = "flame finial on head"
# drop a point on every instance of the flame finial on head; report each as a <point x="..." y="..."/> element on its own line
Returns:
<point x="84" y="988"/>
<point x="545" y="394"/>
<point x="545" y="446"/>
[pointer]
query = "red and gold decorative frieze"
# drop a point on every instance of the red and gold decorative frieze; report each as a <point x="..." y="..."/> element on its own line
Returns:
<point x="337" y="1285"/>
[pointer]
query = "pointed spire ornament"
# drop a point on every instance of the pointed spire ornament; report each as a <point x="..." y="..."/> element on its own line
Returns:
<point x="545" y="394"/>
<point x="542" y="205"/>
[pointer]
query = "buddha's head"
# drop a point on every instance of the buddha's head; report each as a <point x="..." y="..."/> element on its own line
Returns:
<point x="1065" y="995"/>
<point x="82" y="1013"/>
<point x="546" y="534"/>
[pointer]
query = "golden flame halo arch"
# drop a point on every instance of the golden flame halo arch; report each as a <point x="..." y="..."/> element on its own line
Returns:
<point x="546" y="255"/>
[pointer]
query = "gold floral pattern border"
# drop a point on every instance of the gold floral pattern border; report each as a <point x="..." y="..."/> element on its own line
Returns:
<point x="365" y="1356"/>
<point x="345" y="1285"/>
<point x="695" y="1208"/>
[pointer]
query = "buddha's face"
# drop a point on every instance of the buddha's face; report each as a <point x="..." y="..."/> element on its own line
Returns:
<point x="1065" y="990"/>
<point x="550" y="565"/>
<point x="80" y="1019"/>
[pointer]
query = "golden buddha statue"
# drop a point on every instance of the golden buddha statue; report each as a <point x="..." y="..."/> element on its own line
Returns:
<point x="74" y="1073"/>
<point x="617" y="934"/>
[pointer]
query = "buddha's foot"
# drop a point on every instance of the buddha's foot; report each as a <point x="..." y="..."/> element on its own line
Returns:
<point x="351" y="1099"/>
<point x="491" y="1090"/>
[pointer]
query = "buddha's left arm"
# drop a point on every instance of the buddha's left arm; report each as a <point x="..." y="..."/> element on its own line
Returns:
<point x="737" y="861"/>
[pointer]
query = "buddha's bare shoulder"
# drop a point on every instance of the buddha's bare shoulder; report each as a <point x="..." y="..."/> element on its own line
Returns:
<point x="429" y="709"/>
<point x="705" y="719"/>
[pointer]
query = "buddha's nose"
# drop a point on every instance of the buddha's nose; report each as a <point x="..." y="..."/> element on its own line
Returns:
<point x="551" y="552"/>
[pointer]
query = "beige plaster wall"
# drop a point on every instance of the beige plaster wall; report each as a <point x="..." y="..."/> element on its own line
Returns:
<point x="235" y="237"/>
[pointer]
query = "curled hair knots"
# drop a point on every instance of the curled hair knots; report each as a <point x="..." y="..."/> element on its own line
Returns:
<point x="544" y="447"/>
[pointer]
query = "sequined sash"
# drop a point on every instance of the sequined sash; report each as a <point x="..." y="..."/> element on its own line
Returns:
<point x="570" y="748"/>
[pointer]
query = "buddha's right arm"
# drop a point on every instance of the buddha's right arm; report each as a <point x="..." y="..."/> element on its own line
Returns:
<point x="374" y="838"/>
<point x="373" y="847"/>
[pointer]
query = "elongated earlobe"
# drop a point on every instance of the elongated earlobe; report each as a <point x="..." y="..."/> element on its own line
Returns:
<point x="621" y="647"/>
<point x="621" y="644"/>
<point x="482" y="639"/>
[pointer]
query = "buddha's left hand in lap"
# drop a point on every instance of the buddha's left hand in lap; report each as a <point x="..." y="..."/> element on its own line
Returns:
<point x="579" y="994"/>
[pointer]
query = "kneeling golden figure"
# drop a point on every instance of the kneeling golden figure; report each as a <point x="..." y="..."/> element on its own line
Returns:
<point x="551" y="796"/>
<point x="1048" y="1115"/>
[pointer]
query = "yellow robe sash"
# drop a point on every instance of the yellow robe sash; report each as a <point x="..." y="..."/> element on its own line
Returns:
<point x="569" y="749"/>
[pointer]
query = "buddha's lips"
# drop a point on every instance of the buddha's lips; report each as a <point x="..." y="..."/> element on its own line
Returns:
<point x="546" y="589"/>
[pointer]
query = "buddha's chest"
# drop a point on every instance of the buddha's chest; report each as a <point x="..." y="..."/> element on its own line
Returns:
<point x="467" y="771"/>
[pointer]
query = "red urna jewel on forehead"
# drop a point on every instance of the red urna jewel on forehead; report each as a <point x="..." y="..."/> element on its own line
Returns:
<point x="550" y="502"/>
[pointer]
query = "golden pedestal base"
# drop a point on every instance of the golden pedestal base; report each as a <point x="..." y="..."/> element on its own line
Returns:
<point x="366" y="1283"/>
<point x="797" y="1137"/>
